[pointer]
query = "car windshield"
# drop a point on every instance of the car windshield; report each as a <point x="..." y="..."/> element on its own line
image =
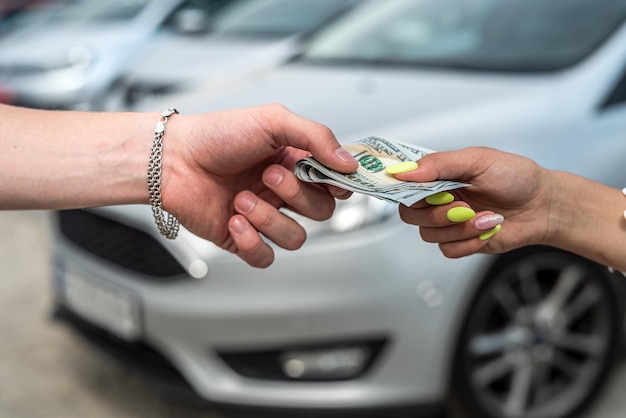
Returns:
<point x="275" y="17"/>
<point x="490" y="35"/>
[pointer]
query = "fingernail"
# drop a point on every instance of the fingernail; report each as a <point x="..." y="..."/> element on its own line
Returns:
<point x="460" y="214"/>
<point x="344" y="155"/>
<point x="342" y="193"/>
<point x="440" y="198"/>
<point x="485" y="222"/>
<point x="237" y="225"/>
<point x="486" y="235"/>
<point x="403" y="167"/>
<point x="274" y="177"/>
<point x="246" y="202"/>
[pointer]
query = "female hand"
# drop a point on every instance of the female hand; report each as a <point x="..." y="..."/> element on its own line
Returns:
<point x="504" y="188"/>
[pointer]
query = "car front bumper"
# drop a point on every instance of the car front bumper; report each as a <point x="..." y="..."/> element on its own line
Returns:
<point x="365" y="288"/>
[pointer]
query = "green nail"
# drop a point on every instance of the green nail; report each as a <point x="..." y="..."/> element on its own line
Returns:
<point x="460" y="214"/>
<point x="440" y="198"/>
<point x="486" y="235"/>
<point x="404" y="167"/>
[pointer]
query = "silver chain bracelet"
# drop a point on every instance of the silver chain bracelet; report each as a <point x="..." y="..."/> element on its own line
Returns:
<point x="166" y="222"/>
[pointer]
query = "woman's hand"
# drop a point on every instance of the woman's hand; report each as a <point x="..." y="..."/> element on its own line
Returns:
<point x="507" y="191"/>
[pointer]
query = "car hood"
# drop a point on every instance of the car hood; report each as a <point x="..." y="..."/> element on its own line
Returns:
<point x="26" y="46"/>
<point x="433" y="108"/>
<point x="207" y="57"/>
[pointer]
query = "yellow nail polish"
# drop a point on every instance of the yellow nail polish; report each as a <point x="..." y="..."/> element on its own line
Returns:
<point x="486" y="235"/>
<point x="460" y="214"/>
<point x="440" y="198"/>
<point x="404" y="167"/>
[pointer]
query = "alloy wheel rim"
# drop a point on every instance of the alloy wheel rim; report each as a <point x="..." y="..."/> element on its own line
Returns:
<point x="538" y="337"/>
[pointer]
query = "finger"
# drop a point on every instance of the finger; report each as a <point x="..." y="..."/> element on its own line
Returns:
<point x="437" y="199"/>
<point x="251" y="248"/>
<point x="484" y="226"/>
<point x="289" y="160"/>
<point x="451" y="165"/>
<point x="299" y="132"/>
<point x="458" y="249"/>
<point x="437" y="216"/>
<point x="338" y="192"/>
<point x="481" y="243"/>
<point x="309" y="200"/>
<point x="455" y="233"/>
<point x="271" y="198"/>
<point x="268" y="220"/>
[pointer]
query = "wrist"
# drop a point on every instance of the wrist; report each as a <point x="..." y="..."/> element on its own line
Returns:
<point x="586" y="217"/>
<point x="560" y="216"/>
<point x="129" y="155"/>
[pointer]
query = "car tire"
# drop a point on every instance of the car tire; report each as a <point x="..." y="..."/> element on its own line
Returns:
<point x="539" y="338"/>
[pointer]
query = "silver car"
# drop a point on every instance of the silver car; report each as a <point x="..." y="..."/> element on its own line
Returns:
<point x="68" y="57"/>
<point x="14" y="12"/>
<point x="245" y="37"/>
<point x="365" y="316"/>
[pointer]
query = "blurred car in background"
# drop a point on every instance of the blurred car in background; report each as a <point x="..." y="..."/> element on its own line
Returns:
<point x="243" y="38"/>
<point x="68" y="57"/>
<point x="12" y="12"/>
<point x="13" y="15"/>
<point x="366" y="316"/>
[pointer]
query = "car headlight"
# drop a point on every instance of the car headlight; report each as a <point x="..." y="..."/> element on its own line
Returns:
<point x="79" y="57"/>
<point x="76" y="58"/>
<point x="357" y="212"/>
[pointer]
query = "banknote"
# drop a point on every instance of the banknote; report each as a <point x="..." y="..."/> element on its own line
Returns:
<point x="374" y="155"/>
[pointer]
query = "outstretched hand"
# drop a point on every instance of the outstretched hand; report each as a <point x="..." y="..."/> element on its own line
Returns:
<point x="504" y="187"/>
<point x="220" y="170"/>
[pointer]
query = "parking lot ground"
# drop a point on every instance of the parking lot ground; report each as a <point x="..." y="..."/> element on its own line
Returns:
<point x="48" y="372"/>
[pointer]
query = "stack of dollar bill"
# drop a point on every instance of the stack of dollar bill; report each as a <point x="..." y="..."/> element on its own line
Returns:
<point x="374" y="155"/>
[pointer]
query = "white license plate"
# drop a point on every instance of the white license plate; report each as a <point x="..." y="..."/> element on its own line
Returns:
<point x="103" y="304"/>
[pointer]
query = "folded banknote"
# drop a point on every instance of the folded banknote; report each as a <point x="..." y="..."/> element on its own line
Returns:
<point x="374" y="155"/>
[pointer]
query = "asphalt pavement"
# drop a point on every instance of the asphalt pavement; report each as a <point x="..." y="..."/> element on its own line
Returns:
<point x="48" y="372"/>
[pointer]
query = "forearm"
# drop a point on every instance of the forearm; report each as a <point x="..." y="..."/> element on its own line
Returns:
<point x="588" y="218"/>
<point x="59" y="159"/>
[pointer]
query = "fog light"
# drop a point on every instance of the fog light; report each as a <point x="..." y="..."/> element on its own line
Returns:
<point x="337" y="363"/>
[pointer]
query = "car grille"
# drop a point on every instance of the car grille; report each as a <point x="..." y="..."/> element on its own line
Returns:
<point x="118" y="244"/>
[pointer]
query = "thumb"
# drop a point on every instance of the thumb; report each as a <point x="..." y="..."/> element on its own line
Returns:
<point x="461" y="165"/>
<point x="303" y="133"/>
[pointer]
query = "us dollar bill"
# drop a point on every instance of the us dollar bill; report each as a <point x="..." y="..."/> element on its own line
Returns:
<point x="374" y="154"/>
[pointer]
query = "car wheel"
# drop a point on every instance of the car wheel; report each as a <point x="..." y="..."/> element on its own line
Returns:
<point x="539" y="338"/>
